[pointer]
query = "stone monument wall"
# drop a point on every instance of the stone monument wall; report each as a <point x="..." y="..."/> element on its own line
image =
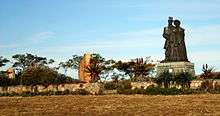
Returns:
<point x="92" y="88"/>
<point x="84" y="63"/>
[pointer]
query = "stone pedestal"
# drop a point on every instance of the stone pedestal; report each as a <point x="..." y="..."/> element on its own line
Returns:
<point x="175" y="67"/>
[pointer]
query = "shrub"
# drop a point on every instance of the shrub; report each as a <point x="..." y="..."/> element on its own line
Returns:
<point x="43" y="76"/>
<point x="164" y="78"/>
<point x="65" y="92"/>
<point x="124" y="87"/>
<point x="126" y="84"/>
<point x="153" y="91"/>
<point x="207" y="85"/>
<point x="184" y="79"/>
<point x="28" y="94"/>
<point x="139" y="91"/>
<point x="217" y="86"/>
<point x="110" y="85"/>
<point x="4" y="80"/>
<point x="80" y="92"/>
<point x="162" y="91"/>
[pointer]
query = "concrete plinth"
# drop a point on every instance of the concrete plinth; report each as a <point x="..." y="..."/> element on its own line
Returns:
<point x="175" y="67"/>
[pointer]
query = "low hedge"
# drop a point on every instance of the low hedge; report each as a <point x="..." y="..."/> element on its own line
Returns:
<point x="164" y="91"/>
<point x="48" y="93"/>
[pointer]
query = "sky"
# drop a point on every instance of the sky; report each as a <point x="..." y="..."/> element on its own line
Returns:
<point x="116" y="29"/>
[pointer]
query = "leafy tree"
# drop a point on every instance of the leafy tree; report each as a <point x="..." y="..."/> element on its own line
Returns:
<point x="42" y="75"/>
<point x="99" y="66"/>
<point x="75" y="61"/>
<point x="3" y="61"/>
<point x="138" y="69"/>
<point x="72" y="63"/>
<point x="65" y="66"/>
<point x="184" y="79"/>
<point x="25" y="60"/>
<point x="207" y="72"/>
<point x="164" y="78"/>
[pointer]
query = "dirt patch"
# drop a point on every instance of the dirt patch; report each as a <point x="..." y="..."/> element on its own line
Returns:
<point x="206" y="104"/>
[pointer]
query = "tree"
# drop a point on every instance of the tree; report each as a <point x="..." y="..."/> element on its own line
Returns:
<point x="164" y="78"/>
<point x="183" y="79"/>
<point x="66" y="65"/>
<point x="72" y="63"/>
<point x="25" y="60"/>
<point x="75" y="61"/>
<point x="207" y="72"/>
<point x="137" y="69"/>
<point x="3" y="61"/>
<point x="99" y="66"/>
<point x="42" y="75"/>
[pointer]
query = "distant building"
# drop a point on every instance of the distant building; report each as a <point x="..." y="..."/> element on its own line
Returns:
<point x="10" y="73"/>
<point x="84" y="63"/>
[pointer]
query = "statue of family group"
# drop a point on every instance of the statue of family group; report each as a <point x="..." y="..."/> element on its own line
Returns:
<point x="175" y="48"/>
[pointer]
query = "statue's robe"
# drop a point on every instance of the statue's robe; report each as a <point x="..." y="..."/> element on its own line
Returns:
<point x="179" y="49"/>
<point x="169" y="36"/>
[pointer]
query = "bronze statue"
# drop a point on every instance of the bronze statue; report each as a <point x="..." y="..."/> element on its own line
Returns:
<point x="168" y="35"/>
<point x="175" y="48"/>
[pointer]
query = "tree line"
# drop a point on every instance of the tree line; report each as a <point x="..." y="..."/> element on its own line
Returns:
<point x="33" y="69"/>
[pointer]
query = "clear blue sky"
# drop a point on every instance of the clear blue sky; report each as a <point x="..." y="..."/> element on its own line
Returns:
<point x="118" y="29"/>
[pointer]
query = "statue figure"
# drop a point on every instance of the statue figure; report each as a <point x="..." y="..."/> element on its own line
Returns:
<point x="169" y="38"/>
<point x="179" y="44"/>
<point x="175" y="48"/>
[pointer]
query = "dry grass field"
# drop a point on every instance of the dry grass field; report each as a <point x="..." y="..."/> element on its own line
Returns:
<point x="114" y="105"/>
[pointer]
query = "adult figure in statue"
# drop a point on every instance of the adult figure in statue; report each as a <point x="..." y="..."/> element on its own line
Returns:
<point x="169" y="39"/>
<point x="179" y="48"/>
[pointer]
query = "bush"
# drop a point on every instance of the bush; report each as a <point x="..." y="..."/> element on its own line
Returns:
<point x="184" y="79"/>
<point x="28" y="94"/>
<point x="162" y="91"/>
<point x="164" y="78"/>
<point x="80" y="92"/>
<point x="110" y="85"/>
<point x="124" y="87"/>
<point x="43" y="76"/>
<point x="152" y="91"/>
<point x="207" y="85"/>
<point x="217" y="86"/>
<point x="4" y="80"/>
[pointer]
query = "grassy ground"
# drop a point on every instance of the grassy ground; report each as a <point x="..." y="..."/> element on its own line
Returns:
<point x="206" y="104"/>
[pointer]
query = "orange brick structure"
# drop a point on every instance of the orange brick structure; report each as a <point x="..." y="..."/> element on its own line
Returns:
<point x="84" y="63"/>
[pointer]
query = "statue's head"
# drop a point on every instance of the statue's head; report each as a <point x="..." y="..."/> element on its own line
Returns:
<point x="177" y="23"/>
<point x="170" y="20"/>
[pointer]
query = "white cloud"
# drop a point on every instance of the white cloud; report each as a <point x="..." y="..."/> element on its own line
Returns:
<point x="42" y="36"/>
<point x="128" y="40"/>
<point x="8" y="46"/>
<point x="203" y="35"/>
<point x="206" y="56"/>
<point x="212" y="58"/>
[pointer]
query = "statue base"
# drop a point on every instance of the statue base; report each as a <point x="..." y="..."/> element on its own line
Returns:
<point x="175" y="67"/>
